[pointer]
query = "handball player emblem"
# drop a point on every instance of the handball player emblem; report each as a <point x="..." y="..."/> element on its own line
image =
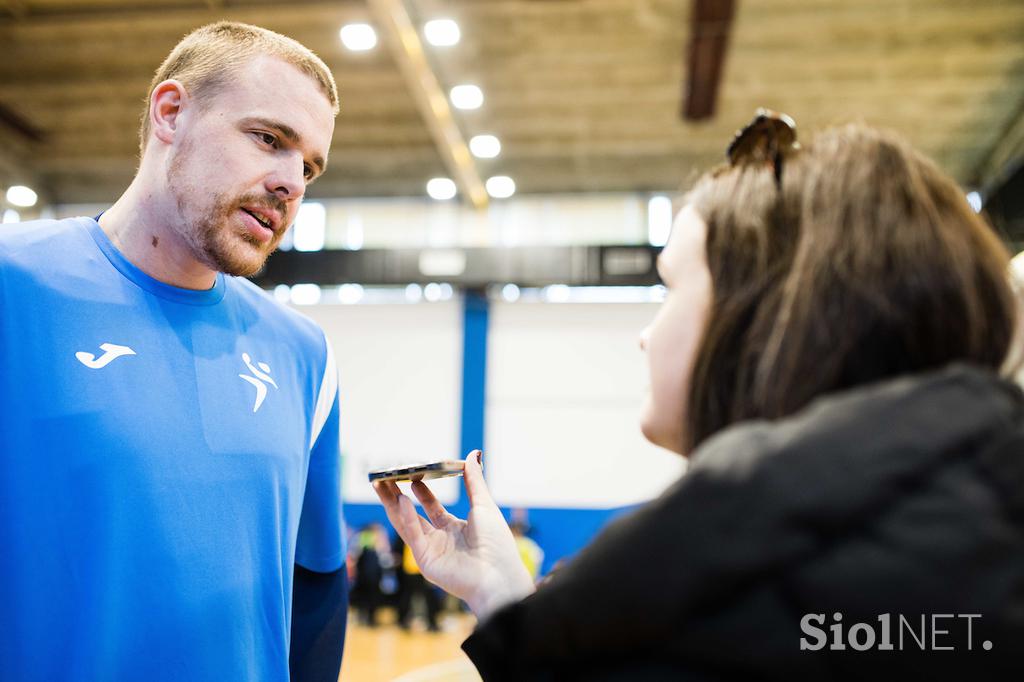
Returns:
<point x="259" y="379"/>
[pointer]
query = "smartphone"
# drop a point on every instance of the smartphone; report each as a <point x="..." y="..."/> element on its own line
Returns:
<point x="419" y="472"/>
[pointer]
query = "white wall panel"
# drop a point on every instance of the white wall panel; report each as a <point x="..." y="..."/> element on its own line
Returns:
<point x="400" y="382"/>
<point x="565" y="384"/>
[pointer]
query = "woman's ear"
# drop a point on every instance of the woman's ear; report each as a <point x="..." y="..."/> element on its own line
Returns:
<point x="166" y="104"/>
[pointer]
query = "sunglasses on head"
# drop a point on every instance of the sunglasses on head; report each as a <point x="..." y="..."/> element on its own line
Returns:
<point x="767" y="139"/>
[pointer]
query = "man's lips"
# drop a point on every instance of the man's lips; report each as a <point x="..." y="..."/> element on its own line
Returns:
<point x="255" y="227"/>
<point x="266" y="217"/>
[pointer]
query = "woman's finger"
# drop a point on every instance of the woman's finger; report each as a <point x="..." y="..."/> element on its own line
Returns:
<point x="436" y="512"/>
<point x="476" y="487"/>
<point x="416" y="527"/>
<point x="401" y="513"/>
<point x="384" y="493"/>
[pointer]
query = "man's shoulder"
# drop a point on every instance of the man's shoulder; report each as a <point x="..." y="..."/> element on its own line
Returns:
<point x="289" y="322"/>
<point x="38" y="240"/>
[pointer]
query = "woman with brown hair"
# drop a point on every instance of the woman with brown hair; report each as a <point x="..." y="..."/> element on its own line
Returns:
<point x="828" y="357"/>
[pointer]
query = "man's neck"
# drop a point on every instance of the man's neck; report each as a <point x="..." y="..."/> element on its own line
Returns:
<point x="136" y="226"/>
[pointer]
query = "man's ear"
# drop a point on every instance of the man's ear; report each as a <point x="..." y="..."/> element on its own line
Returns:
<point x="166" y="105"/>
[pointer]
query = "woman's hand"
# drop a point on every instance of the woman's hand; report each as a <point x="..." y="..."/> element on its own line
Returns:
<point x="476" y="560"/>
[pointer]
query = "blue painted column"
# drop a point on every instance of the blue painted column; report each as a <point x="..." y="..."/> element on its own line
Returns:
<point x="475" y="324"/>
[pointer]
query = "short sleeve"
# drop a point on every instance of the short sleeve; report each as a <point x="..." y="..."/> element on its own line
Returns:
<point x="321" y="540"/>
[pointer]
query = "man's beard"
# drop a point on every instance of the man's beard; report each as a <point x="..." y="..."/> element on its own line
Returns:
<point x="210" y="236"/>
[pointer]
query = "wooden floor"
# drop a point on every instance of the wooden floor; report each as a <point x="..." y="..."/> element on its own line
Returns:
<point x="387" y="652"/>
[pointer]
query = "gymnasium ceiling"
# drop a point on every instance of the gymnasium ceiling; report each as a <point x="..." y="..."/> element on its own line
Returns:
<point x="585" y="95"/>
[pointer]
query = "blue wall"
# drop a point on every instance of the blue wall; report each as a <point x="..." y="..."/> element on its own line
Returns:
<point x="561" y="533"/>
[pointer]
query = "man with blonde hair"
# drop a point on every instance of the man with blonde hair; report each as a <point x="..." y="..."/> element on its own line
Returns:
<point x="170" y="504"/>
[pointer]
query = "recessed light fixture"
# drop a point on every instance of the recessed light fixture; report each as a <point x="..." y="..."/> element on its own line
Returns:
<point x="557" y="293"/>
<point x="485" y="146"/>
<point x="306" y="294"/>
<point x="442" y="32"/>
<point x="467" y="97"/>
<point x="358" y="37"/>
<point x="309" y="231"/>
<point x="432" y="292"/>
<point x="413" y="292"/>
<point x="501" y="186"/>
<point x="349" y="294"/>
<point x="441" y="189"/>
<point x="659" y="220"/>
<point x="974" y="199"/>
<point x="19" y="195"/>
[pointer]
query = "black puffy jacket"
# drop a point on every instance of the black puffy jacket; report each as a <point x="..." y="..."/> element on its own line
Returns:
<point x="903" y="498"/>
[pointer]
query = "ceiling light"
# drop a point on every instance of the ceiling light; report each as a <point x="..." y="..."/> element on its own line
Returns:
<point x="974" y="199"/>
<point x="306" y="294"/>
<point x="442" y="32"/>
<point x="556" y="293"/>
<point x="19" y="195"/>
<point x="441" y="189"/>
<point x="485" y="146"/>
<point x="309" y="232"/>
<point x="358" y="37"/>
<point x="349" y="294"/>
<point x="501" y="187"/>
<point x="432" y="292"/>
<point x="659" y="220"/>
<point x="467" y="97"/>
<point x="413" y="292"/>
<point x="442" y="262"/>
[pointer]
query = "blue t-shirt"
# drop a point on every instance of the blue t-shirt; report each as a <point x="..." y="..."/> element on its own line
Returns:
<point x="166" y="455"/>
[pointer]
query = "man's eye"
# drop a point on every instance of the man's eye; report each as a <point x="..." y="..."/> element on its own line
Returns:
<point x="266" y="138"/>
<point x="307" y="170"/>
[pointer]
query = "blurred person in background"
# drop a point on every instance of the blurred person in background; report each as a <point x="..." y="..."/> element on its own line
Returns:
<point x="828" y="356"/>
<point x="372" y="551"/>
<point x="170" y="478"/>
<point x="530" y="553"/>
<point x="413" y="588"/>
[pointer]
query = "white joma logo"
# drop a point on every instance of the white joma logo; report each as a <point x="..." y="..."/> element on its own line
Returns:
<point x="112" y="352"/>
<point x="261" y="373"/>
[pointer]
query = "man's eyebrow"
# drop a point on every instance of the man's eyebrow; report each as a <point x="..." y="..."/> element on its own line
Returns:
<point x="288" y="132"/>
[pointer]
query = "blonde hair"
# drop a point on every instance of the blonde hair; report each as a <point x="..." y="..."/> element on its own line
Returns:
<point x="206" y="59"/>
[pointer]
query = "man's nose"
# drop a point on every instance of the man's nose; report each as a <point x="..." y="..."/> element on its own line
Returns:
<point x="645" y="333"/>
<point x="288" y="181"/>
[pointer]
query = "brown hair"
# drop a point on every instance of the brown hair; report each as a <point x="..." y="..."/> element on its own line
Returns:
<point x="866" y="263"/>
<point x="206" y="59"/>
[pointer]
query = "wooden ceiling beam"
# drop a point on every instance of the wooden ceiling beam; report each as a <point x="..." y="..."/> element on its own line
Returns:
<point x="1007" y="150"/>
<point x="16" y="8"/>
<point x="404" y="40"/>
<point x="18" y="124"/>
<point x="41" y="15"/>
<point x="710" y="23"/>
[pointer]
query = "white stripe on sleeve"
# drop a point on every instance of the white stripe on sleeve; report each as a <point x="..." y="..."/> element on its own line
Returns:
<point x="325" y="399"/>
